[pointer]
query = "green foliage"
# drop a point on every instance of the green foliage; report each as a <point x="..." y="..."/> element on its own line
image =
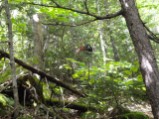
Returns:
<point x="89" y="115"/>
<point x="5" y="70"/>
<point x="121" y="81"/>
<point x="25" y="117"/>
<point x="133" y="115"/>
<point x="5" y="101"/>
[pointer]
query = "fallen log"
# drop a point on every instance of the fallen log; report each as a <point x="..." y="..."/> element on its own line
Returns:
<point x="42" y="74"/>
<point x="26" y="84"/>
<point x="71" y="105"/>
<point x="29" y="89"/>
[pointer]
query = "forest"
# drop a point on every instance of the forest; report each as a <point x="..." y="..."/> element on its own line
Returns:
<point x="79" y="59"/>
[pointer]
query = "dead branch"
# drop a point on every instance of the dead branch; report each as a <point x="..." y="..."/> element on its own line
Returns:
<point x="42" y="74"/>
<point x="72" y="105"/>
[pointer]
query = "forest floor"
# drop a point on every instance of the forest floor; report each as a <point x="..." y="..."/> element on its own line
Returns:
<point x="144" y="108"/>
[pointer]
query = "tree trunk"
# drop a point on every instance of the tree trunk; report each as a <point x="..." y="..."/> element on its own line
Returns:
<point x="38" y="41"/>
<point x="115" y="50"/>
<point x="145" y="53"/>
<point x="101" y="35"/>
<point x="12" y="62"/>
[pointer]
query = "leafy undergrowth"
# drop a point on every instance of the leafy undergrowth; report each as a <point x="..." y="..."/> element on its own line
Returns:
<point x="41" y="111"/>
<point x="36" y="113"/>
<point x="115" y="91"/>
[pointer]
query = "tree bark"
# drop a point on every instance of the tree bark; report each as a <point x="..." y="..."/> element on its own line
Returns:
<point x="38" y="41"/>
<point x="12" y="62"/>
<point x="144" y="51"/>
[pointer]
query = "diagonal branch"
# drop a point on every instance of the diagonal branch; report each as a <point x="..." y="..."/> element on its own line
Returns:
<point x="108" y="16"/>
<point x="152" y="36"/>
<point x="42" y="74"/>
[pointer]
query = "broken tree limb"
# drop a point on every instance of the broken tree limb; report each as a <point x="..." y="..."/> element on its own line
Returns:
<point x="42" y="74"/>
<point x="71" y="105"/>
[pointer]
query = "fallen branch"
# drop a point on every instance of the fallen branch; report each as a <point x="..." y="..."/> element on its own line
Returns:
<point x="71" y="105"/>
<point x="42" y="74"/>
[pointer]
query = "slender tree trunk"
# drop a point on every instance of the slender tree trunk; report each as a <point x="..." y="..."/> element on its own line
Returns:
<point x="102" y="41"/>
<point x="101" y="35"/>
<point x="144" y="51"/>
<point x="38" y="41"/>
<point x="12" y="62"/>
<point x="115" y="51"/>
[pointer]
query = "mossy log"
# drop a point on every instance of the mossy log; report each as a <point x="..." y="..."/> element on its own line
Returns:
<point x="30" y="89"/>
